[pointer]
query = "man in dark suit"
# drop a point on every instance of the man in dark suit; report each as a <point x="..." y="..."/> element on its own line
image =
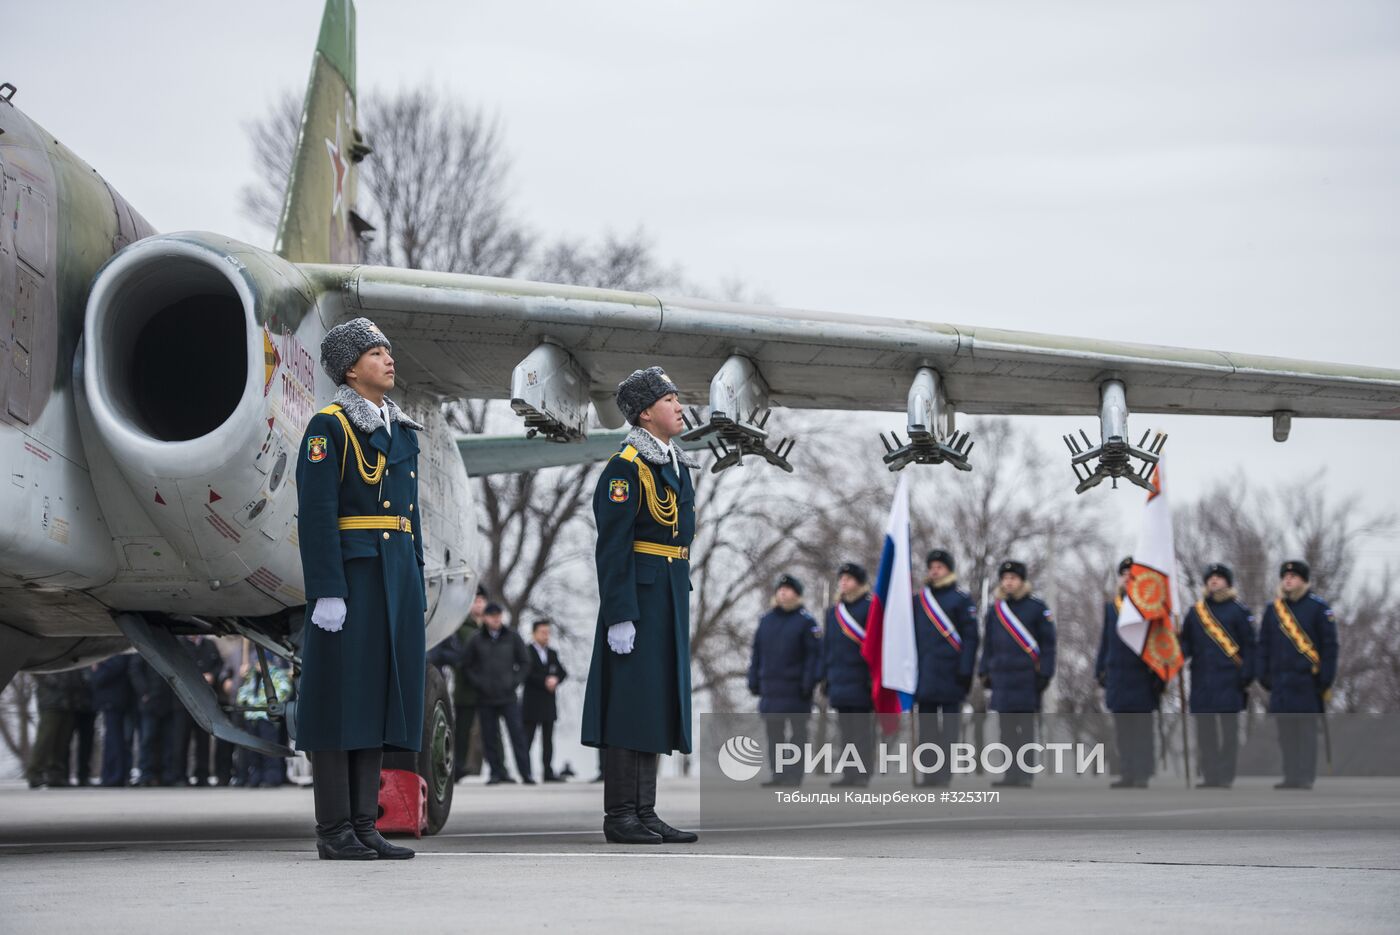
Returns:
<point x="496" y="661"/>
<point x="540" y="708"/>
<point x="449" y="654"/>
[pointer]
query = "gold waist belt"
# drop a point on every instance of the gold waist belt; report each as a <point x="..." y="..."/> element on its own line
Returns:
<point x="668" y="552"/>
<point x="396" y="523"/>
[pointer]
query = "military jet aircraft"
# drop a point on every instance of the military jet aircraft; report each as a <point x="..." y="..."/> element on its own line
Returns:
<point x="156" y="387"/>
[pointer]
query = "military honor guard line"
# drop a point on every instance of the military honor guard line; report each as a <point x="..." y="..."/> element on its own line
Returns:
<point x="361" y="693"/>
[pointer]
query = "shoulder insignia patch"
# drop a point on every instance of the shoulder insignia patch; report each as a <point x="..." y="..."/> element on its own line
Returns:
<point x="316" y="448"/>
<point x="619" y="490"/>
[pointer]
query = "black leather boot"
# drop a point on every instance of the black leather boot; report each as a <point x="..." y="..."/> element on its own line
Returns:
<point x="620" y="822"/>
<point x="364" y="798"/>
<point x="646" y="804"/>
<point x="330" y="785"/>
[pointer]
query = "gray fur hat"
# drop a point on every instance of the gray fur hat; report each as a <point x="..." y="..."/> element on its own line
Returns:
<point x="344" y="344"/>
<point x="641" y="389"/>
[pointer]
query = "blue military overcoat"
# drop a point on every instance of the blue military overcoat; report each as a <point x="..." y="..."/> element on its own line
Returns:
<point x="844" y="669"/>
<point x="1130" y="686"/>
<point x="641" y="700"/>
<point x="786" y="663"/>
<point x="945" y="671"/>
<point x="1016" y="678"/>
<point x="1218" y="682"/>
<point x="362" y="686"/>
<point x="1294" y="687"/>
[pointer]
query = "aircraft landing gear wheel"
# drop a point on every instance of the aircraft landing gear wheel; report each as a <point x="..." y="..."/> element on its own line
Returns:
<point x="433" y="761"/>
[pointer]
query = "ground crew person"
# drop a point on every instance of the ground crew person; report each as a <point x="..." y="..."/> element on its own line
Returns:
<point x="1217" y="635"/>
<point x="1132" y="692"/>
<point x="449" y="654"/>
<point x="846" y="673"/>
<point x="259" y="770"/>
<point x="58" y="700"/>
<point x="496" y="663"/>
<point x="361" y="537"/>
<point x="783" y="672"/>
<point x="1297" y="665"/>
<point x="945" y="631"/>
<point x="637" y="701"/>
<point x="154" y="703"/>
<point x="113" y="698"/>
<point x="1018" y="661"/>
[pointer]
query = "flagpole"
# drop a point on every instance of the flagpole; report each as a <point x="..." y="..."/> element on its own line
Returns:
<point x="1185" y="722"/>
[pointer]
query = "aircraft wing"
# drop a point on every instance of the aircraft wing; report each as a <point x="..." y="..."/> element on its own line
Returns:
<point x="462" y="336"/>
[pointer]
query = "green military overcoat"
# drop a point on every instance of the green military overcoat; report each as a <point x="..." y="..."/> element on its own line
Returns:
<point x="641" y="700"/>
<point x="362" y="686"/>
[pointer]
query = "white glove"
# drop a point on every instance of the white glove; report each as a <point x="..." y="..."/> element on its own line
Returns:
<point x="329" y="613"/>
<point x="622" y="637"/>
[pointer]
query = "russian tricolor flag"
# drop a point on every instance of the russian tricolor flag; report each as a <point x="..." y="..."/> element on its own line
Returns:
<point x="889" y="647"/>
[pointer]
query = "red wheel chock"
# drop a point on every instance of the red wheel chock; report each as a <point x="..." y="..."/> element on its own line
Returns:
<point x="403" y="803"/>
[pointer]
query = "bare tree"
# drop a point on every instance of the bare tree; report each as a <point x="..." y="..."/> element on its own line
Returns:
<point x="17" y="717"/>
<point x="1254" y="529"/>
<point x="531" y="522"/>
<point x="273" y="138"/>
<point x="437" y="187"/>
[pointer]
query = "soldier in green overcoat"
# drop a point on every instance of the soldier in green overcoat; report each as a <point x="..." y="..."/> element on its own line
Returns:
<point x="361" y="538"/>
<point x="637" y="703"/>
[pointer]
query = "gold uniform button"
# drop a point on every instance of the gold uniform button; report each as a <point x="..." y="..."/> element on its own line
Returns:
<point x="413" y="474"/>
<point x="410" y="508"/>
<point x="386" y="535"/>
<point x="386" y="504"/>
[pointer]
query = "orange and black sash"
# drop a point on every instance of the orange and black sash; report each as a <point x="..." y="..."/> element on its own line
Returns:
<point x="1218" y="633"/>
<point x="1294" y="631"/>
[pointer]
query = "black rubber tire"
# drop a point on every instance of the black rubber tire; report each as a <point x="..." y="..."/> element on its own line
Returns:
<point x="433" y="761"/>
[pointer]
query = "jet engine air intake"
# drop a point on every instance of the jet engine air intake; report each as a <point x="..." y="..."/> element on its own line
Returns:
<point x="177" y="357"/>
<point x="175" y="354"/>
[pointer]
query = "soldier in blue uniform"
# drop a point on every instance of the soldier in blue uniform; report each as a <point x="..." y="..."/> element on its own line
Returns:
<point x="1018" y="661"/>
<point x="637" y="701"/>
<point x="361" y="537"/>
<point x="1132" y="692"/>
<point x="783" y="672"/>
<point x="846" y="673"/>
<point x="945" y="630"/>
<point x="1217" y="635"/>
<point x="1297" y="665"/>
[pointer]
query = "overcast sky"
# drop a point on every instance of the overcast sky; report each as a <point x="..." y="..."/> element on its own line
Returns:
<point x="1216" y="174"/>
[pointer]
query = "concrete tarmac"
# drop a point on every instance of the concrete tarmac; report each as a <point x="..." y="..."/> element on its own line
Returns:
<point x="516" y="858"/>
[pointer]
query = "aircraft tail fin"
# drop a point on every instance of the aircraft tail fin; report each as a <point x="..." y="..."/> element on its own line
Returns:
<point x="318" y="222"/>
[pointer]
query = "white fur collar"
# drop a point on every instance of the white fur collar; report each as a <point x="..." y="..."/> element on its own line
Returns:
<point x="651" y="450"/>
<point x="364" y="416"/>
